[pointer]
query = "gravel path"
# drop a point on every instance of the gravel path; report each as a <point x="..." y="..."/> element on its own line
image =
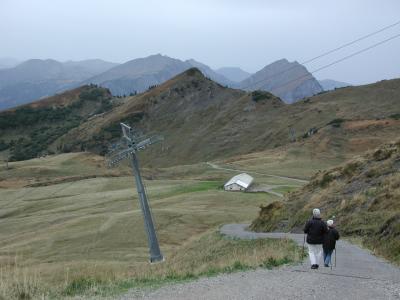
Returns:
<point x="358" y="275"/>
<point x="212" y="165"/>
<point x="255" y="188"/>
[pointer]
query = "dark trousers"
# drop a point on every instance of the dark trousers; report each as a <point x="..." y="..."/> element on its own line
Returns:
<point x="327" y="257"/>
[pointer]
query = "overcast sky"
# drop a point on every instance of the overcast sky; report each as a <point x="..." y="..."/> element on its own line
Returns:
<point x="245" y="33"/>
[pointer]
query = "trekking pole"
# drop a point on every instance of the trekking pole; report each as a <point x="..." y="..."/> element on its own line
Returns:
<point x="335" y="257"/>
<point x="304" y="241"/>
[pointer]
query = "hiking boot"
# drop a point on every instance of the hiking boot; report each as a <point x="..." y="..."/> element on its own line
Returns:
<point x="314" y="267"/>
<point x="325" y="265"/>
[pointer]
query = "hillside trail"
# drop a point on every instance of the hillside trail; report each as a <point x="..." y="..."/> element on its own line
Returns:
<point x="266" y="188"/>
<point x="262" y="187"/>
<point x="215" y="166"/>
<point x="358" y="275"/>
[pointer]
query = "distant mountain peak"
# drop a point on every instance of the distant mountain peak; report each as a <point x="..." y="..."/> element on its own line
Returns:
<point x="282" y="61"/>
<point x="38" y="61"/>
<point x="289" y="80"/>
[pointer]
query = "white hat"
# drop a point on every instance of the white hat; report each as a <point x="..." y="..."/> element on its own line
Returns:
<point x="329" y="222"/>
<point x="316" y="212"/>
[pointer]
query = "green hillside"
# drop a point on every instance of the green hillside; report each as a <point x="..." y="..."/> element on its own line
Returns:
<point x="28" y="131"/>
<point x="363" y="194"/>
<point x="202" y="120"/>
<point x="69" y="226"/>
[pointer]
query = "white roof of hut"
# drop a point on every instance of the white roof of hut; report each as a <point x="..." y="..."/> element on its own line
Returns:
<point x="243" y="180"/>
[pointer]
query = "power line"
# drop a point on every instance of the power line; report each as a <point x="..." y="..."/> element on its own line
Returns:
<point x="326" y="53"/>
<point x="356" y="53"/>
<point x="335" y="62"/>
<point x="351" y="43"/>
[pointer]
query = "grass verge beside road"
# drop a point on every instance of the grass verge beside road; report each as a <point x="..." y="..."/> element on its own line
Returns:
<point x="210" y="255"/>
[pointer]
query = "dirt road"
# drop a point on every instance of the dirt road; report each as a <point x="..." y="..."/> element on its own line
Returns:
<point x="258" y="173"/>
<point x="358" y="275"/>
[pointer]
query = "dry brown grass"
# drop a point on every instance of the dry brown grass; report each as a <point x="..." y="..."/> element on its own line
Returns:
<point x="87" y="236"/>
<point x="363" y="194"/>
<point x="18" y="282"/>
<point x="207" y="255"/>
<point x="366" y="124"/>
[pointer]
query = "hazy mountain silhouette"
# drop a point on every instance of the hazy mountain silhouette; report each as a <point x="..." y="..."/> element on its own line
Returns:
<point x="330" y="84"/>
<point x="139" y="74"/>
<point x="36" y="78"/>
<point x="233" y="73"/>
<point x="8" y="62"/>
<point x="289" y="80"/>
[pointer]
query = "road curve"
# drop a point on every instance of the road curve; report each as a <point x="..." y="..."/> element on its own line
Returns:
<point x="215" y="166"/>
<point x="358" y="275"/>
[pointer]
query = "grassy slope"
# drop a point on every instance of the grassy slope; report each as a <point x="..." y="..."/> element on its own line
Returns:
<point x="29" y="130"/>
<point x="91" y="228"/>
<point x="363" y="194"/>
<point x="202" y="120"/>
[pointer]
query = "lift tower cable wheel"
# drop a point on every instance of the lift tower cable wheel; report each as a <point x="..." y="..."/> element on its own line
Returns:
<point x="127" y="148"/>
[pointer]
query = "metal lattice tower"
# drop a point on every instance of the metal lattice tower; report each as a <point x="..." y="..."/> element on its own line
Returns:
<point x="292" y="134"/>
<point x="127" y="148"/>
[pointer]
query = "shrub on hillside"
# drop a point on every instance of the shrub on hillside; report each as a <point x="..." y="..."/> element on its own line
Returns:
<point x="257" y="96"/>
<point x="336" y="122"/>
<point x="92" y="94"/>
<point x="395" y="116"/>
<point x="269" y="216"/>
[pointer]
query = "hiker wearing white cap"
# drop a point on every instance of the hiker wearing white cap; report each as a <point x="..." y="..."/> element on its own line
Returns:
<point x="329" y="244"/>
<point x="315" y="229"/>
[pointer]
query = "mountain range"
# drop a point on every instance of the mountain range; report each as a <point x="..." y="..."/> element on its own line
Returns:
<point x="136" y="76"/>
<point x="289" y="81"/>
<point x="201" y="120"/>
<point x="35" y="79"/>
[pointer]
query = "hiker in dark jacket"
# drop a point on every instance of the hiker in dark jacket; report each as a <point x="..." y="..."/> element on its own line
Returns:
<point x="315" y="230"/>
<point x="329" y="244"/>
